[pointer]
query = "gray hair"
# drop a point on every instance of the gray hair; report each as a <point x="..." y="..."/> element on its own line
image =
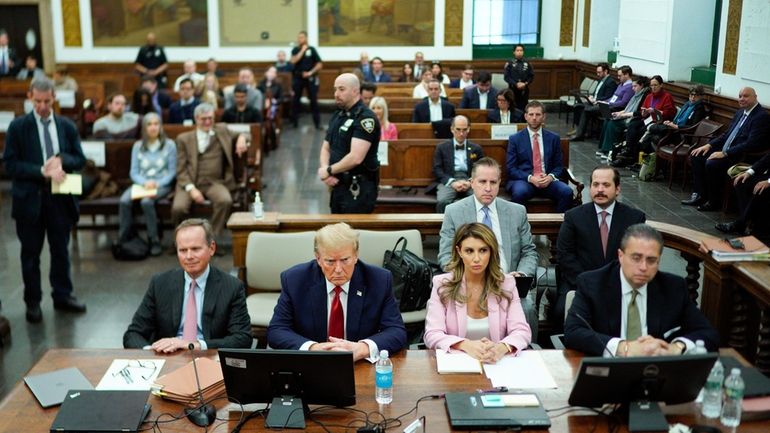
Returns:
<point x="203" y="108"/>
<point x="161" y="135"/>
<point x="41" y="85"/>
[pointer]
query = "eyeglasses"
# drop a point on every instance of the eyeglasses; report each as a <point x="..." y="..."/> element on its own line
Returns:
<point x="650" y="261"/>
<point x="135" y="368"/>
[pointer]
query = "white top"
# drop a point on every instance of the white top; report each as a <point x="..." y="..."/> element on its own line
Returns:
<point x="436" y="113"/>
<point x="477" y="329"/>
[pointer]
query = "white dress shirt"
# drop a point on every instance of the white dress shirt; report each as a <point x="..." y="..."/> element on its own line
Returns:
<point x="610" y="210"/>
<point x="482" y="99"/>
<point x="51" y="129"/>
<point x="493" y="215"/>
<point x="436" y="113"/>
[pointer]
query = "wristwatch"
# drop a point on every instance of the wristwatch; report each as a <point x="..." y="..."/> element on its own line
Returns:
<point x="329" y="169"/>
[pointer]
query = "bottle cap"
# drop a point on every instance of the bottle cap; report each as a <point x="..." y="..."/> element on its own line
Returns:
<point x="383" y="353"/>
<point x="735" y="371"/>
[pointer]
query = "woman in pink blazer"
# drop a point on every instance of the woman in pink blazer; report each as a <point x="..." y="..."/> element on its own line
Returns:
<point x="474" y="307"/>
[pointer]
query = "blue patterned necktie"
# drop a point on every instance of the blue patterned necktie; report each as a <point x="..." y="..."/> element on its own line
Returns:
<point x="487" y="221"/>
<point x="735" y="130"/>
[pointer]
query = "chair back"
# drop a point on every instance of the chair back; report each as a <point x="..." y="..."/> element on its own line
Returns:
<point x="269" y="254"/>
<point x="372" y="244"/>
<point x="588" y="85"/>
<point x="705" y="131"/>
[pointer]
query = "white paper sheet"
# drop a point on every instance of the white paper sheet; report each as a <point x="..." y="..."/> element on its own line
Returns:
<point x="94" y="150"/>
<point x="138" y="376"/>
<point x="73" y="184"/>
<point x="525" y="371"/>
<point x="382" y="152"/>
<point x="502" y="132"/>
<point x="456" y="362"/>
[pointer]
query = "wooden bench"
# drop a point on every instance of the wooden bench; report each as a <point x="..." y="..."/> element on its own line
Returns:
<point x="396" y="102"/>
<point x="118" y="162"/>
<point x="425" y="130"/>
<point x="410" y="171"/>
<point x="404" y="115"/>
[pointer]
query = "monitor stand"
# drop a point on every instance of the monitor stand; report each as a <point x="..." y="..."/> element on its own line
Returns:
<point x="286" y="412"/>
<point x="646" y="416"/>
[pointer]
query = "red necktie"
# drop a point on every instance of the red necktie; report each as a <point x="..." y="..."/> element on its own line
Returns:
<point x="190" y="330"/>
<point x="537" y="159"/>
<point x="336" y="317"/>
<point x="604" y="231"/>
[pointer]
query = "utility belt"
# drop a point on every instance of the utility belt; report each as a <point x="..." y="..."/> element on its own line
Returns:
<point x="352" y="181"/>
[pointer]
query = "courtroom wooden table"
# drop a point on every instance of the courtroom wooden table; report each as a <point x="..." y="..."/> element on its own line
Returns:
<point x="415" y="376"/>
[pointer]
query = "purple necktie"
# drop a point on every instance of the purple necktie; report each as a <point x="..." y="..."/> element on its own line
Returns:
<point x="190" y="332"/>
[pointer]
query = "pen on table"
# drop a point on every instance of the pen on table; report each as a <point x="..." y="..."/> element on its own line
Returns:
<point x="493" y="390"/>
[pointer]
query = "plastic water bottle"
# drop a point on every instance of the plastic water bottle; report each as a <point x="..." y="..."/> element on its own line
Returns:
<point x="731" y="410"/>
<point x="383" y="379"/>
<point x="712" y="395"/>
<point x="256" y="207"/>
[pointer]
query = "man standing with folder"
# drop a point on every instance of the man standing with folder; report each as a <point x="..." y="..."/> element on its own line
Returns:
<point x="41" y="149"/>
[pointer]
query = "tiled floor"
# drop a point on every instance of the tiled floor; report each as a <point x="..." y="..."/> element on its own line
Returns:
<point x="113" y="289"/>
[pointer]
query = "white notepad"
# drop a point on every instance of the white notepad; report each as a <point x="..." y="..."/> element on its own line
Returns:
<point x="456" y="363"/>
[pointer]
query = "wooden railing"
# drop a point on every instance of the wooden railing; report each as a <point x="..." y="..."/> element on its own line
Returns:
<point x="735" y="297"/>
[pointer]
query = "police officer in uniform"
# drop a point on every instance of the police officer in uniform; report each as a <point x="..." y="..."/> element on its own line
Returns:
<point x="348" y="161"/>
<point x="306" y="63"/>
<point x="519" y="75"/>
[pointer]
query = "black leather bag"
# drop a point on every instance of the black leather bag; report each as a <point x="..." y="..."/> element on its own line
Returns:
<point x="411" y="277"/>
<point x="132" y="249"/>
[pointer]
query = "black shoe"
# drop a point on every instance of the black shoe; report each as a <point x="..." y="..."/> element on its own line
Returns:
<point x="34" y="314"/>
<point x="577" y="138"/>
<point x="622" y="161"/>
<point x="708" y="207"/>
<point x="694" y="200"/>
<point x="733" y="227"/>
<point x="70" y="304"/>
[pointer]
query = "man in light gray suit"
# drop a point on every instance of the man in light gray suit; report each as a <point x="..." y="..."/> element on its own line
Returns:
<point x="508" y="221"/>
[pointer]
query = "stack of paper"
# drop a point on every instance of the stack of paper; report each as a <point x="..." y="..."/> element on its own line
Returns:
<point x="456" y="362"/>
<point x="180" y="385"/>
<point x="527" y="370"/>
<point x="139" y="192"/>
<point x="754" y="250"/>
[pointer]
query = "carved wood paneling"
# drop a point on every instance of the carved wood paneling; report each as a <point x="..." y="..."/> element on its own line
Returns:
<point x="693" y="275"/>
<point x="763" y="345"/>
<point x="567" y="26"/>
<point x="70" y="10"/>
<point x="453" y="23"/>
<point x="732" y="36"/>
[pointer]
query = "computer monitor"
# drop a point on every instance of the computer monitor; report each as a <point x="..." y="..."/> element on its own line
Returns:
<point x="289" y="380"/>
<point x="641" y="383"/>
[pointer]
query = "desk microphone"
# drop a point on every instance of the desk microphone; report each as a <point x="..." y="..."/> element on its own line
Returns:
<point x="582" y="319"/>
<point x="205" y="414"/>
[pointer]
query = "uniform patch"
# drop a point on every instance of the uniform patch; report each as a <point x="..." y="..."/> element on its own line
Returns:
<point x="368" y="125"/>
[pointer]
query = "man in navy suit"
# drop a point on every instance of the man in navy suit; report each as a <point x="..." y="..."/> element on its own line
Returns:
<point x="590" y="236"/>
<point x="40" y="149"/>
<point x="336" y="302"/>
<point x="628" y="308"/>
<point x="752" y="188"/>
<point x="183" y="110"/>
<point x="452" y="164"/>
<point x="376" y="74"/>
<point x="466" y="79"/>
<point x="748" y="132"/>
<point x="482" y="95"/>
<point x="433" y="108"/>
<point x="534" y="162"/>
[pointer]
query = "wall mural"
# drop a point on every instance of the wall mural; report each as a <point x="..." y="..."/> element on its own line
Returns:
<point x="375" y="22"/>
<point x="125" y="23"/>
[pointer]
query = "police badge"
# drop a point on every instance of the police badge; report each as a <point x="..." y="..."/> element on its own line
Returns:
<point x="368" y="125"/>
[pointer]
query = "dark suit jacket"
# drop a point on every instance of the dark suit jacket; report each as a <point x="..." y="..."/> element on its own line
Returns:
<point x="12" y="71"/>
<point x="762" y="166"/>
<point x="753" y="135"/>
<point x="607" y="90"/>
<point x="455" y="84"/>
<point x="225" y="320"/>
<point x="421" y="112"/>
<point x="275" y="89"/>
<point x="384" y="77"/>
<point x="598" y="301"/>
<point x="444" y="159"/>
<point x="301" y="314"/>
<point x="178" y="113"/>
<point x="24" y="158"/>
<point x="519" y="155"/>
<point x="164" y="100"/>
<point x="471" y="98"/>
<point x="517" y="116"/>
<point x="579" y="245"/>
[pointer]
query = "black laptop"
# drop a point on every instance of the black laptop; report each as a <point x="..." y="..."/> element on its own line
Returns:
<point x="604" y="110"/>
<point x="90" y="411"/>
<point x="467" y="412"/>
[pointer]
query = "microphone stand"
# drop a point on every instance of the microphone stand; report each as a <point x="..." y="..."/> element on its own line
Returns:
<point x="205" y="414"/>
